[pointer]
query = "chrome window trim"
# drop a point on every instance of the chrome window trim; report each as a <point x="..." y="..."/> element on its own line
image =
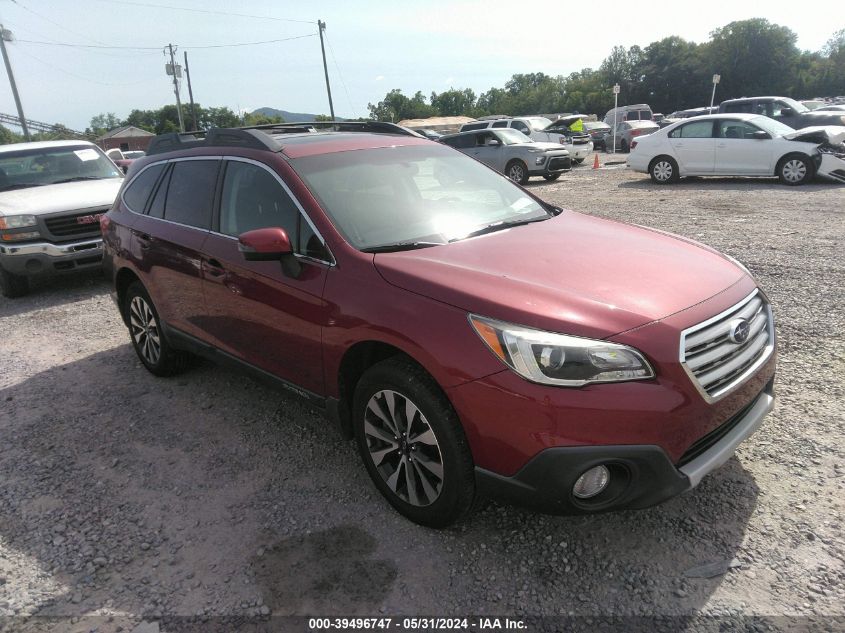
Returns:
<point x="737" y="382"/>
<point x="268" y="169"/>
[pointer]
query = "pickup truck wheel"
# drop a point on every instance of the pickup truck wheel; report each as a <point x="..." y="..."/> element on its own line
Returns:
<point x="13" y="286"/>
<point x="578" y="160"/>
<point x="795" y="169"/>
<point x="412" y="443"/>
<point x="663" y="170"/>
<point x="551" y="177"/>
<point x="157" y="355"/>
<point x="517" y="171"/>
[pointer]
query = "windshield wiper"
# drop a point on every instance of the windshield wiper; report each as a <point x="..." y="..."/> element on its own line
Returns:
<point x="400" y="246"/>
<point x="498" y="226"/>
<point x="22" y="185"/>
<point x="75" y="178"/>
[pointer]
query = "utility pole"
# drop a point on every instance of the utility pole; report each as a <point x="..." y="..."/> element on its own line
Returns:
<point x="173" y="69"/>
<point x="191" y="95"/>
<point x="6" y="36"/>
<point x="322" y="27"/>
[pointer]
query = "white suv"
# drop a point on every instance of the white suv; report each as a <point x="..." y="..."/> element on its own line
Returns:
<point x="537" y="127"/>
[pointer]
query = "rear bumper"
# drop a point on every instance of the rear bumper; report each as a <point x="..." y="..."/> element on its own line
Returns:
<point x="641" y="475"/>
<point x="44" y="258"/>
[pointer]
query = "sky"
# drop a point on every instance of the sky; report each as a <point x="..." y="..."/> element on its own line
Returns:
<point x="116" y="60"/>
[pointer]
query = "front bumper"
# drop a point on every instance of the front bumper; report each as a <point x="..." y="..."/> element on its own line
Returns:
<point x="44" y="258"/>
<point x="641" y="475"/>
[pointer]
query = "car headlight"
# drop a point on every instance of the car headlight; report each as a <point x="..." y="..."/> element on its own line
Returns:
<point x="17" y="221"/>
<point x="539" y="160"/>
<point x="559" y="359"/>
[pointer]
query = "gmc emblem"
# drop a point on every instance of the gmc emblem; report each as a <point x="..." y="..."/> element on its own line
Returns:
<point x="89" y="219"/>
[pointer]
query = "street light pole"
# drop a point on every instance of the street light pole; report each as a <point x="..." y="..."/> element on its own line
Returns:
<point x="615" y="112"/>
<point x="6" y="36"/>
<point x="716" y="79"/>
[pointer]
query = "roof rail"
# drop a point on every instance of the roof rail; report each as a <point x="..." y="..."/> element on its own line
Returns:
<point x="229" y="137"/>
<point x="263" y="136"/>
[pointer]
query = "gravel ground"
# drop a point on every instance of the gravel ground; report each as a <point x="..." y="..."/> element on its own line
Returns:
<point x="129" y="502"/>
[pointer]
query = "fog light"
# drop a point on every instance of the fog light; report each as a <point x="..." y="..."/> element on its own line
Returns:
<point x="591" y="482"/>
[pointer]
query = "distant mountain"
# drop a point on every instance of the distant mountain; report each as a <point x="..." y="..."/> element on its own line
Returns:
<point x="290" y="117"/>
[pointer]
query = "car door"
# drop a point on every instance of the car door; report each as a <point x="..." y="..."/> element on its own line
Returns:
<point x="739" y="152"/>
<point x="256" y="312"/>
<point x="488" y="154"/>
<point x="694" y="147"/>
<point x="170" y="238"/>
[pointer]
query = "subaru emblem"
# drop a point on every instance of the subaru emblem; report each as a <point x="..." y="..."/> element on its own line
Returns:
<point x="740" y="329"/>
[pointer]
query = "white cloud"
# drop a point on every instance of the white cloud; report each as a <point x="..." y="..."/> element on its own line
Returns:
<point x="379" y="78"/>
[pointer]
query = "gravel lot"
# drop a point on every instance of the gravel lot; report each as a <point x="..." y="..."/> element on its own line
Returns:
<point x="127" y="500"/>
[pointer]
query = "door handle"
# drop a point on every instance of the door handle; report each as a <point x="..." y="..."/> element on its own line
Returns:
<point x="214" y="268"/>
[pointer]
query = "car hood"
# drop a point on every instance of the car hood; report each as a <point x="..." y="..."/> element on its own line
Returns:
<point x="574" y="273"/>
<point x="563" y="122"/>
<point x="833" y="134"/>
<point x="66" y="196"/>
<point x="546" y="147"/>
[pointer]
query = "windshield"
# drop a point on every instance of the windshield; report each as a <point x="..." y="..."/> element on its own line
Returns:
<point x="795" y="105"/>
<point x="510" y="136"/>
<point x="406" y="195"/>
<point x="49" y="165"/>
<point x="538" y="123"/>
<point x="775" y="128"/>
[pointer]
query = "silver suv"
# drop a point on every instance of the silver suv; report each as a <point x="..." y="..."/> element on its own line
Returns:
<point x="512" y="153"/>
<point x="543" y="130"/>
<point x="52" y="195"/>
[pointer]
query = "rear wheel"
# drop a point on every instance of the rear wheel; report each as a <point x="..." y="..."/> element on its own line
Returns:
<point x="13" y="286"/>
<point x="795" y="169"/>
<point x="517" y="171"/>
<point x="412" y="443"/>
<point x="663" y="170"/>
<point x="157" y="355"/>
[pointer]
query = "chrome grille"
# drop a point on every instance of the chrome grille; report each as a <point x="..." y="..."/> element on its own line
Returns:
<point x="74" y="224"/>
<point x="715" y="361"/>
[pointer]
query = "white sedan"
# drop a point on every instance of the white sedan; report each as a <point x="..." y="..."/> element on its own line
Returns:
<point x="740" y="145"/>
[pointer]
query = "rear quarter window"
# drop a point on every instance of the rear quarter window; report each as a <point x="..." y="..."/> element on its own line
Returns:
<point x="139" y="190"/>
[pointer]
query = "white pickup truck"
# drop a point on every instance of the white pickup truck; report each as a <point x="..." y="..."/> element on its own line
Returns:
<point x="52" y="195"/>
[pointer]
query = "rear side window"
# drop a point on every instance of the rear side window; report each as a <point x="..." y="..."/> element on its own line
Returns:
<point x="500" y="124"/>
<point x="138" y="192"/>
<point x="191" y="192"/>
<point x="473" y="126"/>
<point x="460" y="142"/>
<point x="696" y="129"/>
<point x="738" y="107"/>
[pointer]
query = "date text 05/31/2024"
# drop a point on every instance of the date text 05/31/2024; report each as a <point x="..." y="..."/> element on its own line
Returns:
<point x="416" y="624"/>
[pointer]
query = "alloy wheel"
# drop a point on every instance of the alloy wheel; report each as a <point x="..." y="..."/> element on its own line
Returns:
<point x="516" y="173"/>
<point x="144" y="329"/>
<point x="403" y="448"/>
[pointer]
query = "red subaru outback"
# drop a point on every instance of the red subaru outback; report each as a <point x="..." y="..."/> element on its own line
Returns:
<point x="472" y="338"/>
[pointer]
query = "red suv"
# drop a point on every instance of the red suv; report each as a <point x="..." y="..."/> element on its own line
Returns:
<point x="472" y="338"/>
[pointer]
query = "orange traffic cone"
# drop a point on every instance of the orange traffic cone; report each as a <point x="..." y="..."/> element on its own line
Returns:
<point x="596" y="162"/>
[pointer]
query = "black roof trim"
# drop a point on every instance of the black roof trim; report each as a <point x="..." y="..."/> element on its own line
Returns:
<point x="264" y="136"/>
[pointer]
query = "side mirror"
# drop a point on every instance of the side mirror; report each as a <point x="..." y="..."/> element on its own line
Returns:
<point x="270" y="244"/>
<point x="760" y="135"/>
<point x="494" y="142"/>
<point x="787" y="112"/>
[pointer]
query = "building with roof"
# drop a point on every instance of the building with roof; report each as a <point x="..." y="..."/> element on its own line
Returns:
<point x="126" y="138"/>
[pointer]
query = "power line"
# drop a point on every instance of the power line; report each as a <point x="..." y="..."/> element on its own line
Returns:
<point x="207" y="11"/>
<point x="53" y="66"/>
<point x="158" y="48"/>
<point x="54" y="23"/>
<point x="340" y="74"/>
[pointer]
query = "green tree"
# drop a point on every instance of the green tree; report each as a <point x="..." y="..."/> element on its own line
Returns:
<point x="103" y="123"/>
<point x="454" y="102"/>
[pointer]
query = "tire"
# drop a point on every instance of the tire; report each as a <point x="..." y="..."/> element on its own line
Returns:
<point x="13" y="286"/>
<point x="551" y="177"/>
<point x="578" y="160"/>
<point x="153" y="349"/>
<point x="663" y="170"/>
<point x="440" y="488"/>
<point x="625" y="148"/>
<point x="795" y="169"/>
<point x="517" y="171"/>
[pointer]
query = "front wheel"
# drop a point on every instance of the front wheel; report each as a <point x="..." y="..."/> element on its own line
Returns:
<point x="795" y="170"/>
<point x="663" y="170"/>
<point x="517" y="171"/>
<point x="157" y="355"/>
<point x="552" y="177"/>
<point x="578" y="160"/>
<point x="13" y="286"/>
<point x="412" y="443"/>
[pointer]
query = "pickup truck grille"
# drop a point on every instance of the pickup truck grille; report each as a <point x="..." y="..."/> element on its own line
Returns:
<point x="75" y="224"/>
<point x="722" y="352"/>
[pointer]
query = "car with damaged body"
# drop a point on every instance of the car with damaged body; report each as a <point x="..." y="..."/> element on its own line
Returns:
<point x="741" y="145"/>
<point x="512" y="153"/>
<point x="473" y="339"/>
<point x="52" y="194"/>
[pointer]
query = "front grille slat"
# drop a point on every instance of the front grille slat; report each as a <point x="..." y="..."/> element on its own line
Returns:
<point x="68" y="225"/>
<point x="714" y="361"/>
